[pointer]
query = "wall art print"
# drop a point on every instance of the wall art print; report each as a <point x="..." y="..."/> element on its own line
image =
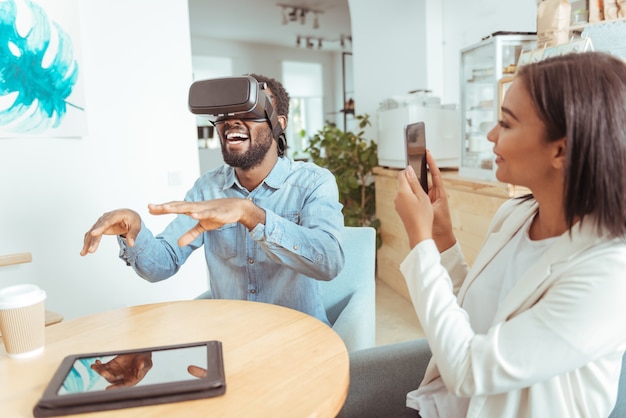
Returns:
<point x="41" y="89"/>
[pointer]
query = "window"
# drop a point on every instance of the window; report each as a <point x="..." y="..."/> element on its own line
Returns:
<point x="303" y="81"/>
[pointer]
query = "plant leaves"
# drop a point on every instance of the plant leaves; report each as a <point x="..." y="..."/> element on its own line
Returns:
<point x="37" y="68"/>
<point x="351" y="158"/>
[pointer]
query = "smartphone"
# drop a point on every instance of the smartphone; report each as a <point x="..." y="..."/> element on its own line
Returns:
<point x="415" y="144"/>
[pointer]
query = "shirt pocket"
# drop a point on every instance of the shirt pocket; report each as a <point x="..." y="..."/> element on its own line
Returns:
<point x="223" y="241"/>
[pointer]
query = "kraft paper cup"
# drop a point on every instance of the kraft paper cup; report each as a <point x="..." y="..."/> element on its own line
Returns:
<point x="22" y="320"/>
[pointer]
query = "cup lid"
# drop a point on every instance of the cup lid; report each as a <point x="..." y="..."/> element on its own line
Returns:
<point x="20" y="295"/>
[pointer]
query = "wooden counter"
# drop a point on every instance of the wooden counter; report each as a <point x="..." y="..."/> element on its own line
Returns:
<point x="472" y="205"/>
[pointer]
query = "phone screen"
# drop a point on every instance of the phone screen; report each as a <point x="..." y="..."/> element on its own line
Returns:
<point x="415" y="138"/>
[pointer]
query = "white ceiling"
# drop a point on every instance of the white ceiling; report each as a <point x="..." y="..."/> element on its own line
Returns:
<point x="260" y="21"/>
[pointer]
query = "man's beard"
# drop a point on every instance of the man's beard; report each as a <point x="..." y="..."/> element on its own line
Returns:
<point x="253" y="156"/>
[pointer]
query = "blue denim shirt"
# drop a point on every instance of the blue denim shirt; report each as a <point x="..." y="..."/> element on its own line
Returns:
<point x="279" y="262"/>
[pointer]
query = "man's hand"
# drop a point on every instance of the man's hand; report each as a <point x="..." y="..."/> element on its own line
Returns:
<point x="197" y="371"/>
<point x="125" y="369"/>
<point x="118" y="222"/>
<point x="212" y="214"/>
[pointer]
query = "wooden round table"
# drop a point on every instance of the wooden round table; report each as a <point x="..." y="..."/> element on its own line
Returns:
<point x="278" y="362"/>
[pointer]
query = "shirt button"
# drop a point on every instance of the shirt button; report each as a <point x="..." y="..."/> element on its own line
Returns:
<point x="250" y="261"/>
<point x="252" y="291"/>
<point x="295" y="247"/>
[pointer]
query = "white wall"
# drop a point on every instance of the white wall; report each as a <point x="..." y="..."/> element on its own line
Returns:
<point x="396" y="41"/>
<point x="389" y="47"/>
<point x="137" y="70"/>
<point x="267" y="60"/>
<point x="466" y="23"/>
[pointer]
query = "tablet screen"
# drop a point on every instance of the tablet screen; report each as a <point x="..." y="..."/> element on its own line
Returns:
<point x="120" y="379"/>
<point x="99" y="373"/>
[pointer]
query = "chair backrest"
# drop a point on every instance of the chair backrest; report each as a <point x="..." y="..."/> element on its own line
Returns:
<point x="350" y="298"/>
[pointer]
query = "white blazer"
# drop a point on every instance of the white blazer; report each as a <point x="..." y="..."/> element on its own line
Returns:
<point x="556" y="343"/>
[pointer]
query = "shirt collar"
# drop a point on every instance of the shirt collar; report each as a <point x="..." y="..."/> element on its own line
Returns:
<point x="274" y="179"/>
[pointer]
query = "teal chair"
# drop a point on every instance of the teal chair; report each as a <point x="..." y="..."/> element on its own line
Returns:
<point x="350" y="298"/>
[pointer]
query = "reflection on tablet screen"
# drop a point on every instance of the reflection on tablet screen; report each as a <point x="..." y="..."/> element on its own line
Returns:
<point x="134" y="369"/>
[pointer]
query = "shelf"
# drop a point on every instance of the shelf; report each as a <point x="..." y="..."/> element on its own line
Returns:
<point x="483" y="66"/>
<point x="583" y="26"/>
<point x="480" y="80"/>
<point x="10" y="259"/>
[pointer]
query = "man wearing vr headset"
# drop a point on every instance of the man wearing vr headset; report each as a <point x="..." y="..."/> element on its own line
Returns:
<point x="270" y="226"/>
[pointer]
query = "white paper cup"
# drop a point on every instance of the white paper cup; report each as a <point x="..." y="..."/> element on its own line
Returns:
<point x="22" y="320"/>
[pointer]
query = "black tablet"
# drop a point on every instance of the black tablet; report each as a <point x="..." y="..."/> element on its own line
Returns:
<point x="127" y="378"/>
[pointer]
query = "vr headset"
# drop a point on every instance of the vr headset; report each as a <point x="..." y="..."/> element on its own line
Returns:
<point x="236" y="97"/>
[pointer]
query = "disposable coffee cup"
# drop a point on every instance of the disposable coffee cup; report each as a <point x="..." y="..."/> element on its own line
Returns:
<point x="22" y="320"/>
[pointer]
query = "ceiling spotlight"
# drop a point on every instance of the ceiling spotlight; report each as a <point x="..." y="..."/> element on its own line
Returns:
<point x="285" y="20"/>
<point x="293" y="15"/>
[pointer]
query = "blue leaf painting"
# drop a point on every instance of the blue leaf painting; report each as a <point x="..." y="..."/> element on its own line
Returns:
<point x="37" y="68"/>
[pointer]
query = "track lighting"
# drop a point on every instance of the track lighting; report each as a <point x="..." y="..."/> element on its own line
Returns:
<point x="298" y="13"/>
<point x="310" y="41"/>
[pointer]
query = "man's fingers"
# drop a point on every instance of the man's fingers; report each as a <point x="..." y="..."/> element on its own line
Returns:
<point x="197" y="371"/>
<point x="91" y="244"/>
<point x="171" y="207"/>
<point x="191" y="235"/>
<point x="132" y="234"/>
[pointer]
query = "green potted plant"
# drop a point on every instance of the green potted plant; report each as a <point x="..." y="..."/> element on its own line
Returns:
<point x="351" y="158"/>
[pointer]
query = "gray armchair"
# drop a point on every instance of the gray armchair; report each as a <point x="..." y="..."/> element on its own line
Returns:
<point x="350" y="298"/>
<point x="380" y="378"/>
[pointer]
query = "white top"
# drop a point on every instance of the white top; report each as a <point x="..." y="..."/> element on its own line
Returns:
<point x="483" y="298"/>
<point x="556" y="342"/>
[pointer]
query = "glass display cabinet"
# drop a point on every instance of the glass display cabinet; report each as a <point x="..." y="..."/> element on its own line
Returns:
<point x="486" y="68"/>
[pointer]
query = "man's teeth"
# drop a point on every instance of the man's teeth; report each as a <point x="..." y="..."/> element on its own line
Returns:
<point x="235" y="136"/>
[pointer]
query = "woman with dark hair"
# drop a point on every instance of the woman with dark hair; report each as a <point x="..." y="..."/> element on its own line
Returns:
<point x="535" y="328"/>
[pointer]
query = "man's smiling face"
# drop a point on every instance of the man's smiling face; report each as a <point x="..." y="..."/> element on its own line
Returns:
<point x="244" y="143"/>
